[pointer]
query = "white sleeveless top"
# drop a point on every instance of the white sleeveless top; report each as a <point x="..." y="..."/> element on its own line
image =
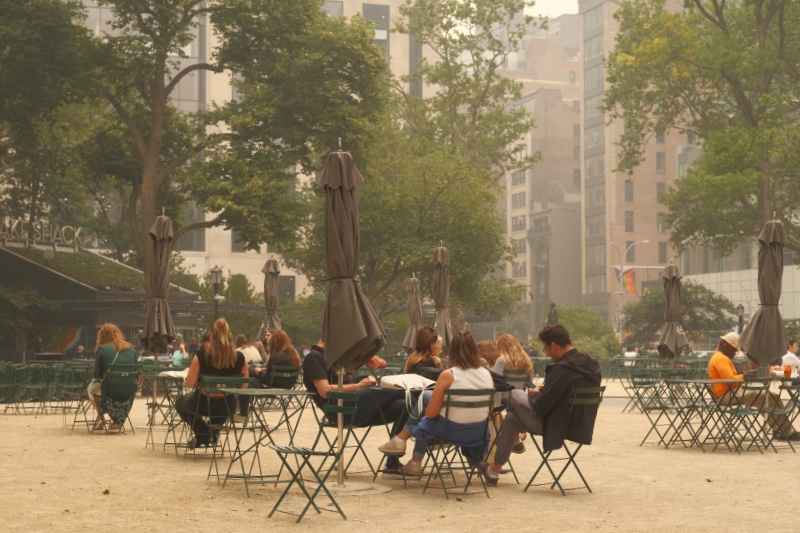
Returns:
<point x="471" y="379"/>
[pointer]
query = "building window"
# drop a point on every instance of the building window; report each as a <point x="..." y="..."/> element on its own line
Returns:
<point x="593" y="78"/>
<point x="379" y="15"/>
<point x="628" y="191"/>
<point x="661" y="223"/>
<point x="237" y="246"/>
<point x="286" y="287"/>
<point x="576" y="131"/>
<point x="193" y="241"/>
<point x="539" y="224"/>
<point x="661" y="191"/>
<point x="518" y="223"/>
<point x="706" y="260"/>
<point x="334" y="9"/>
<point x="519" y="270"/>
<point x="592" y="106"/>
<point x="595" y="255"/>
<point x="576" y="152"/>
<point x="747" y="260"/>
<point x="518" y="177"/>
<point x="272" y="249"/>
<point x="414" y="63"/>
<point x="630" y="251"/>
<point x="518" y="200"/>
<point x="572" y="77"/>
<point x="628" y="221"/>
<point x="593" y="48"/>
<point x="521" y="246"/>
<point x="595" y="284"/>
<point x="576" y="106"/>
<point x="595" y="167"/>
<point x="595" y="137"/>
<point x="576" y="176"/>
<point x="660" y="138"/>
<point x="593" y="20"/>
<point x="662" y="252"/>
<point x="661" y="162"/>
<point x="596" y="225"/>
<point x="596" y="195"/>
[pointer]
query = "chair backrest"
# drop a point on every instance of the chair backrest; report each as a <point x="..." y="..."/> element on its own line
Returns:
<point x="349" y="401"/>
<point x="284" y="376"/>
<point x="468" y="399"/>
<point x="516" y="376"/>
<point x="586" y="396"/>
<point x="218" y="384"/>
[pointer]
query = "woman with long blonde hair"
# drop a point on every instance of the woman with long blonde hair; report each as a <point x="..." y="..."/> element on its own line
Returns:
<point x="116" y="394"/>
<point x="512" y="358"/>
<point x="220" y="358"/>
<point x="427" y="347"/>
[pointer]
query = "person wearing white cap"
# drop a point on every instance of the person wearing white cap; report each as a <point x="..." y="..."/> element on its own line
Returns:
<point x="721" y="367"/>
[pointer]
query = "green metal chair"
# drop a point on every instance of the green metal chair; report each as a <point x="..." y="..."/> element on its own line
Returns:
<point x="444" y="459"/>
<point x="325" y="458"/>
<point x="584" y="396"/>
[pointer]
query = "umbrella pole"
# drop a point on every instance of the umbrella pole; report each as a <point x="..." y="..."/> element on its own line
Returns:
<point x="340" y="426"/>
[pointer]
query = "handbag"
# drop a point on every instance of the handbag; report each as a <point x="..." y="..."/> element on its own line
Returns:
<point x="406" y="382"/>
<point x="95" y="387"/>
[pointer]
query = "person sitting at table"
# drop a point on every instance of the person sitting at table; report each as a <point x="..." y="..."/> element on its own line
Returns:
<point x="545" y="410"/>
<point x="118" y="393"/>
<point x="791" y="359"/>
<point x="218" y="359"/>
<point x="283" y="354"/>
<point x="424" y="360"/>
<point x="180" y="359"/>
<point x="374" y="405"/>
<point x="488" y="353"/>
<point x="721" y="367"/>
<point x="465" y="427"/>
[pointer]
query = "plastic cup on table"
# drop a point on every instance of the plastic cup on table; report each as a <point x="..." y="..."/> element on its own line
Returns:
<point x="787" y="371"/>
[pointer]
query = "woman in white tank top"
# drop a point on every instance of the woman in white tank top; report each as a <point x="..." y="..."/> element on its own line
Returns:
<point x="464" y="427"/>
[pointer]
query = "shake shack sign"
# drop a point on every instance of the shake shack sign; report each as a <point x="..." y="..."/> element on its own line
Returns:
<point x="40" y="232"/>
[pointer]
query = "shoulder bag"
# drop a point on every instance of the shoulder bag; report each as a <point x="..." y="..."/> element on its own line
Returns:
<point x="95" y="387"/>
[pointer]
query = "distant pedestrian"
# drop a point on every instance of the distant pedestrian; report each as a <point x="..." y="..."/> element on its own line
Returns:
<point x="552" y="315"/>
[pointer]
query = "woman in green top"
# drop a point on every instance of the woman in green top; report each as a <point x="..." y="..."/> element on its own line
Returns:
<point x="118" y="392"/>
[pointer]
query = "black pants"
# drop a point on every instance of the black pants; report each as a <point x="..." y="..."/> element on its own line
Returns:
<point x="376" y="406"/>
<point x="194" y="406"/>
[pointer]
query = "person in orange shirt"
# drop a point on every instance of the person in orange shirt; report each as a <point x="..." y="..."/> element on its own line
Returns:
<point x="721" y="367"/>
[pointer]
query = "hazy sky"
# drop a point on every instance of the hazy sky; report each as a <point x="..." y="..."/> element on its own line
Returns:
<point x="554" y="8"/>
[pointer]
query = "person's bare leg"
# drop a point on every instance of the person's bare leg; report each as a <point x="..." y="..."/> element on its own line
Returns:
<point x="99" y="422"/>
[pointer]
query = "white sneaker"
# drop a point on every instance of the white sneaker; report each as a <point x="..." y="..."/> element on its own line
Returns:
<point x="412" y="469"/>
<point x="394" y="447"/>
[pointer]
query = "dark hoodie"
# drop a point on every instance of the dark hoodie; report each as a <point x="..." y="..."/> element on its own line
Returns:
<point x="574" y="369"/>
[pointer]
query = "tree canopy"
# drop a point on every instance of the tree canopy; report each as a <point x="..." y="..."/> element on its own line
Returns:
<point x="432" y="171"/>
<point x="702" y="311"/>
<point x="726" y="74"/>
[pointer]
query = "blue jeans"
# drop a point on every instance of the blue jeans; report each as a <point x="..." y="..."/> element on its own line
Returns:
<point x="471" y="437"/>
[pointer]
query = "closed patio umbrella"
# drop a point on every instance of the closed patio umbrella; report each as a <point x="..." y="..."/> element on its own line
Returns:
<point x="271" y="272"/>
<point x="764" y="339"/>
<point x="159" y="330"/>
<point x="441" y="295"/>
<point x="414" y="314"/>
<point x="351" y="329"/>
<point x="673" y="338"/>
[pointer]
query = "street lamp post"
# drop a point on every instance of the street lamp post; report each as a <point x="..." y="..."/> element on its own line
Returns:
<point x="216" y="279"/>
<point x="740" y="314"/>
<point x="622" y="273"/>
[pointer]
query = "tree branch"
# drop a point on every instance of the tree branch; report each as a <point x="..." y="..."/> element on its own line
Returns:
<point x="191" y="68"/>
<point x="138" y="139"/>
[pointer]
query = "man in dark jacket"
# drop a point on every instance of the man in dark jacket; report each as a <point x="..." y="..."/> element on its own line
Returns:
<point x="545" y="410"/>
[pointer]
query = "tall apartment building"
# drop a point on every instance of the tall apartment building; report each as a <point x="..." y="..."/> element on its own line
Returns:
<point x="542" y="205"/>
<point x="623" y="225"/>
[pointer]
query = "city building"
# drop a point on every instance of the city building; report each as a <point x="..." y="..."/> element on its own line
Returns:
<point x="623" y="214"/>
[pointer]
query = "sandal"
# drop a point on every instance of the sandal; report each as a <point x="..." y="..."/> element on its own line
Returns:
<point x="100" y="424"/>
<point x="114" y="427"/>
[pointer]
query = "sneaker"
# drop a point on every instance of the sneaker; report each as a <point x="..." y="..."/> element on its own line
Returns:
<point x="393" y="448"/>
<point x="489" y="477"/>
<point x="519" y="447"/>
<point x="412" y="469"/>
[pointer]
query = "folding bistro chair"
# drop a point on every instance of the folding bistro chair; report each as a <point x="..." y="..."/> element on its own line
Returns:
<point x="584" y="396"/>
<point x="348" y="401"/>
<point x="333" y="451"/>
<point x="511" y="376"/>
<point x="445" y="459"/>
